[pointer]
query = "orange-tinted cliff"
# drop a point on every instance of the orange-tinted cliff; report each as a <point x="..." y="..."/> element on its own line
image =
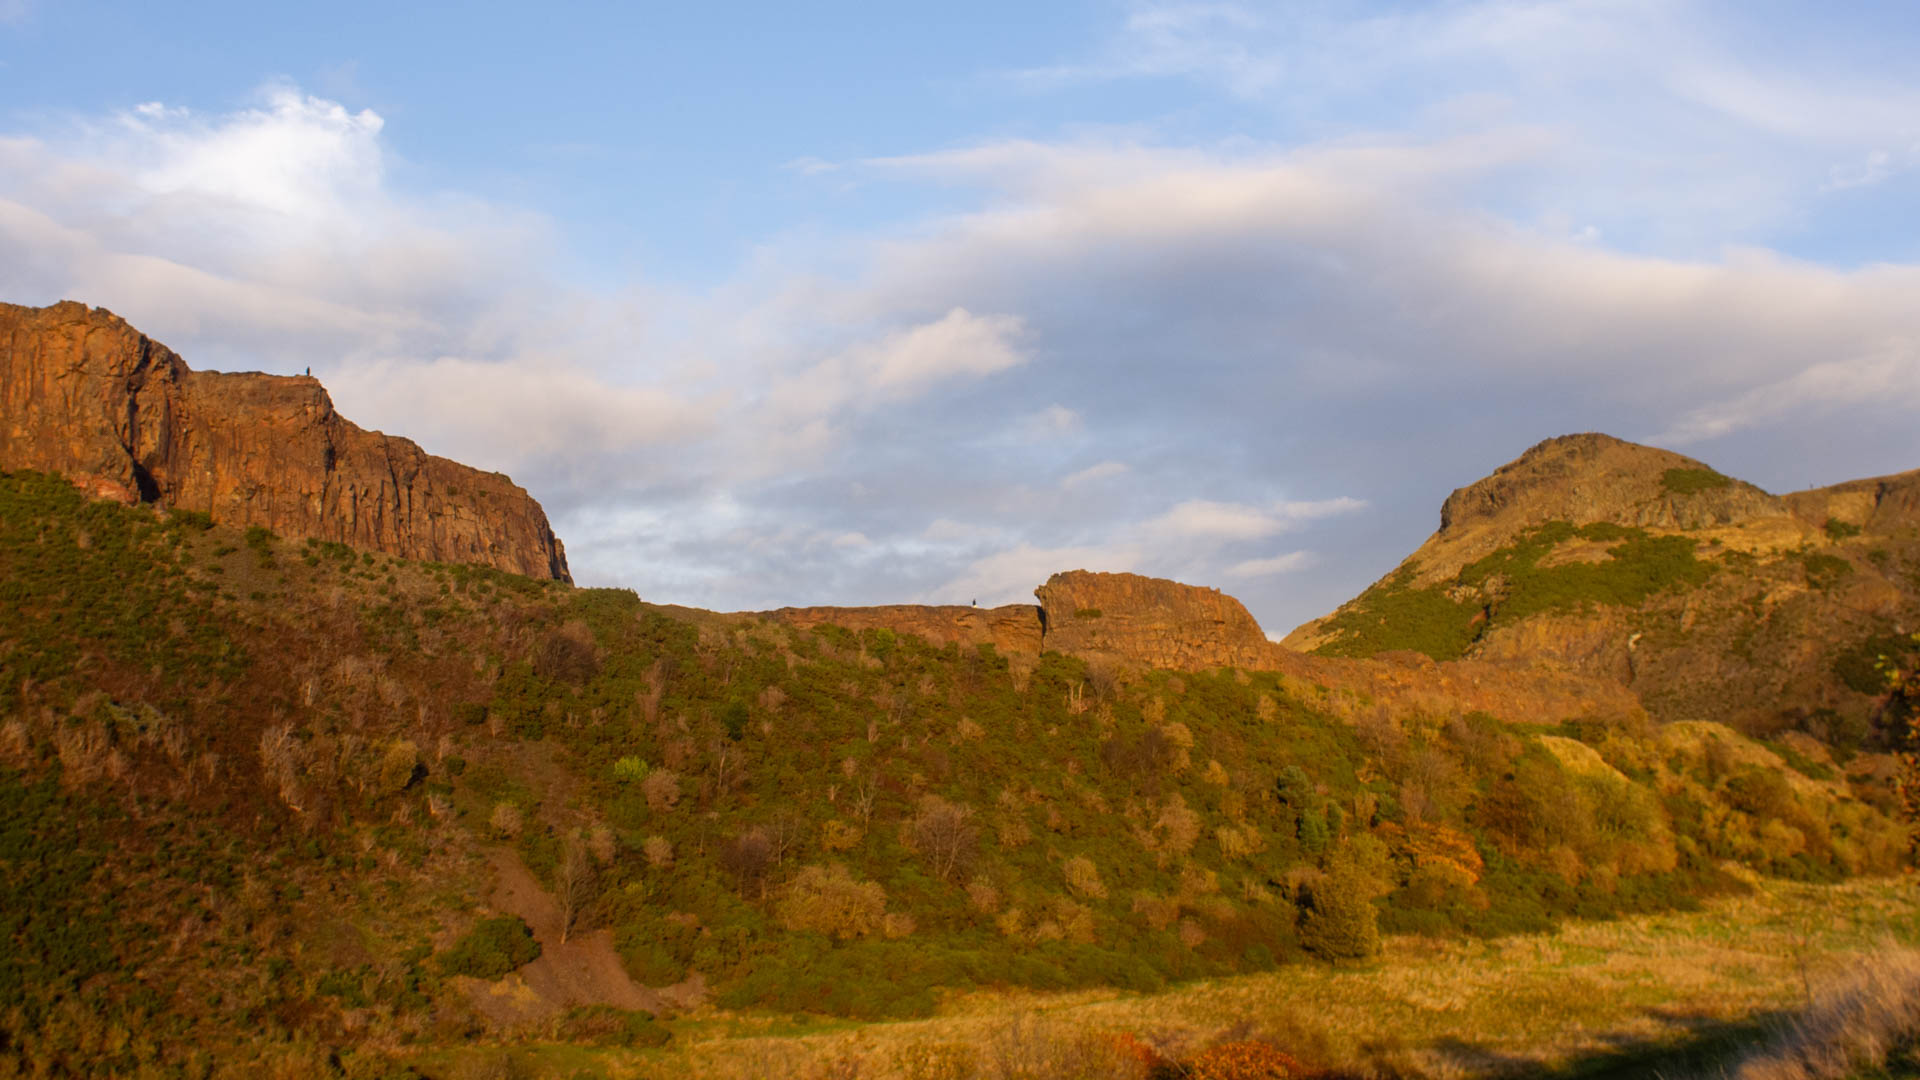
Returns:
<point x="86" y="395"/>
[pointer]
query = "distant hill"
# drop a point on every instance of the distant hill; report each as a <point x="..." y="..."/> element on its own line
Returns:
<point x="1709" y="598"/>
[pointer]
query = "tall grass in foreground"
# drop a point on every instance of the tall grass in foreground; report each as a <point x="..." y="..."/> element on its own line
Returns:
<point x="1867" y="1026"/>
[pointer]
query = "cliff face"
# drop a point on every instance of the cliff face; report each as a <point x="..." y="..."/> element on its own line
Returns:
<point x="1150" y="621"/>
<point x="86" y="395"/>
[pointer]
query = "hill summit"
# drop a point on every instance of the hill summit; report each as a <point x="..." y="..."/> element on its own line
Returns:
<point x="1708" y="597"/>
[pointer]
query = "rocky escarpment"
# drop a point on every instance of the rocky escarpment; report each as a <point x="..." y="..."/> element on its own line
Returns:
<point x="1880" y="504"/>
<point x="86" y="395"/>
<point x="1128" y="618"/>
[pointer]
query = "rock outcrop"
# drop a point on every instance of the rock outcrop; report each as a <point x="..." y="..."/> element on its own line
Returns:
<point x="1149" y="621"/>
<point x="86" y="395"/>
<point x="1880" y="504"/>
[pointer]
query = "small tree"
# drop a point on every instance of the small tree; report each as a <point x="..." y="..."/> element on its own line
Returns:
<point x="827" y="900"/>
<point x="946" y="837"/>
<point x="506" y="820"/>
<point x="1339" y="921"/>
<point x="748" y="857"/>
<point x="1083" y="877"/>
<point x="573" y="885"/>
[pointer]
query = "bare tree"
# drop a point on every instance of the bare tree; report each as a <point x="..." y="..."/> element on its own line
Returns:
<point x="748" y="857"/>
<point x="945" y="834"/>
<point x="786" y="834"/>
<point x="573" y="885"/>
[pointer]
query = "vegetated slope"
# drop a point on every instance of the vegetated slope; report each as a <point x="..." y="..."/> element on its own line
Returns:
<point x="84" y="394"/>
<point x="1711" y="599"/>
<point x="251" y="789"/>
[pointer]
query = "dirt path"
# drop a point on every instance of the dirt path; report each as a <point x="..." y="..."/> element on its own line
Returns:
<point x="584" y="970"/>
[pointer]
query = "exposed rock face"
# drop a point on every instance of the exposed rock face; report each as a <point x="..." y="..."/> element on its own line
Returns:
<point x="86" y="395"/>
<point x="1881" y="504"/>
<point x="1149" y="621"/>
<point x="1011" y="628"/>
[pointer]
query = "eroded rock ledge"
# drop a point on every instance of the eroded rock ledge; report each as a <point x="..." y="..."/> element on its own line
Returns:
<point x="1125" y="617"/>
<point x="86" y="395"/>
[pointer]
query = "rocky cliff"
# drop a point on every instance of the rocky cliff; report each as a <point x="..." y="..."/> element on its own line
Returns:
<point x="1149" y="621"/>
<point x="86" y="395"/>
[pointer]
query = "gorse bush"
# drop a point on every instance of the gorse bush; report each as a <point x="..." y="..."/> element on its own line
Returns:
<point x="491" y="949"/>
<point x="1692" y="481"/>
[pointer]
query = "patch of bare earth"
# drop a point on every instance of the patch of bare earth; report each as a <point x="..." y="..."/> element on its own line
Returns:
<point x="582" y="970"/>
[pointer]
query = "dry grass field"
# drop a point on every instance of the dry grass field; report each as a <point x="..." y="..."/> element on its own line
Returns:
<point x="1673" y="995"/>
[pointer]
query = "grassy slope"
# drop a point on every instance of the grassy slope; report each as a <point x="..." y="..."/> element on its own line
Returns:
<point x="1674" y="995"/>
<point x="264" y="774"/>
<point x="1445" y="620"/>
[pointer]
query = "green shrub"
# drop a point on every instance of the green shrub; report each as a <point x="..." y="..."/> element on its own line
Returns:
<point x="1393" y="614"/>
<point x="1824" y="571"/>
<point x="1339" y="921"/>
<point x="1838" y="530"/>
<point x="604" y="1025"/>
<point x="1692" y="481"/>
<point x="491" y="949"/>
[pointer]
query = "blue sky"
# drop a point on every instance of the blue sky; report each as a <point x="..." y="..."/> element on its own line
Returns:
<point x="859" y="303"/>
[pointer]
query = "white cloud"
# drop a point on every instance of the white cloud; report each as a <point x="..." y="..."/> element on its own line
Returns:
<point x="903" y="364"/>
<point x="1887" y="377"/>
<point x="1052" y="422"/>
<point x="1220" y="521"/>
<point x="1093" y="474"/>
<point x="1284" y="563"/>
<point x="1296" y="511"/>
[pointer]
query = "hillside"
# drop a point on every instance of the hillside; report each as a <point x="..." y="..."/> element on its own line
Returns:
<point x="1707" y="597"/>
<point x="268" y="799"/>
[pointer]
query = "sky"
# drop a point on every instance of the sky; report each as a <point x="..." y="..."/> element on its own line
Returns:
<point x="778" y="304"/>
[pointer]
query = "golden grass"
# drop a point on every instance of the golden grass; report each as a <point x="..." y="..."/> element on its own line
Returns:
<point x="1426" y="1009"/>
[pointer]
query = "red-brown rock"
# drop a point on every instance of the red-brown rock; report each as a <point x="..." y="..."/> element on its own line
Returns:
<point x="1150" y="621"/>
<point x="85" y="395"/>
